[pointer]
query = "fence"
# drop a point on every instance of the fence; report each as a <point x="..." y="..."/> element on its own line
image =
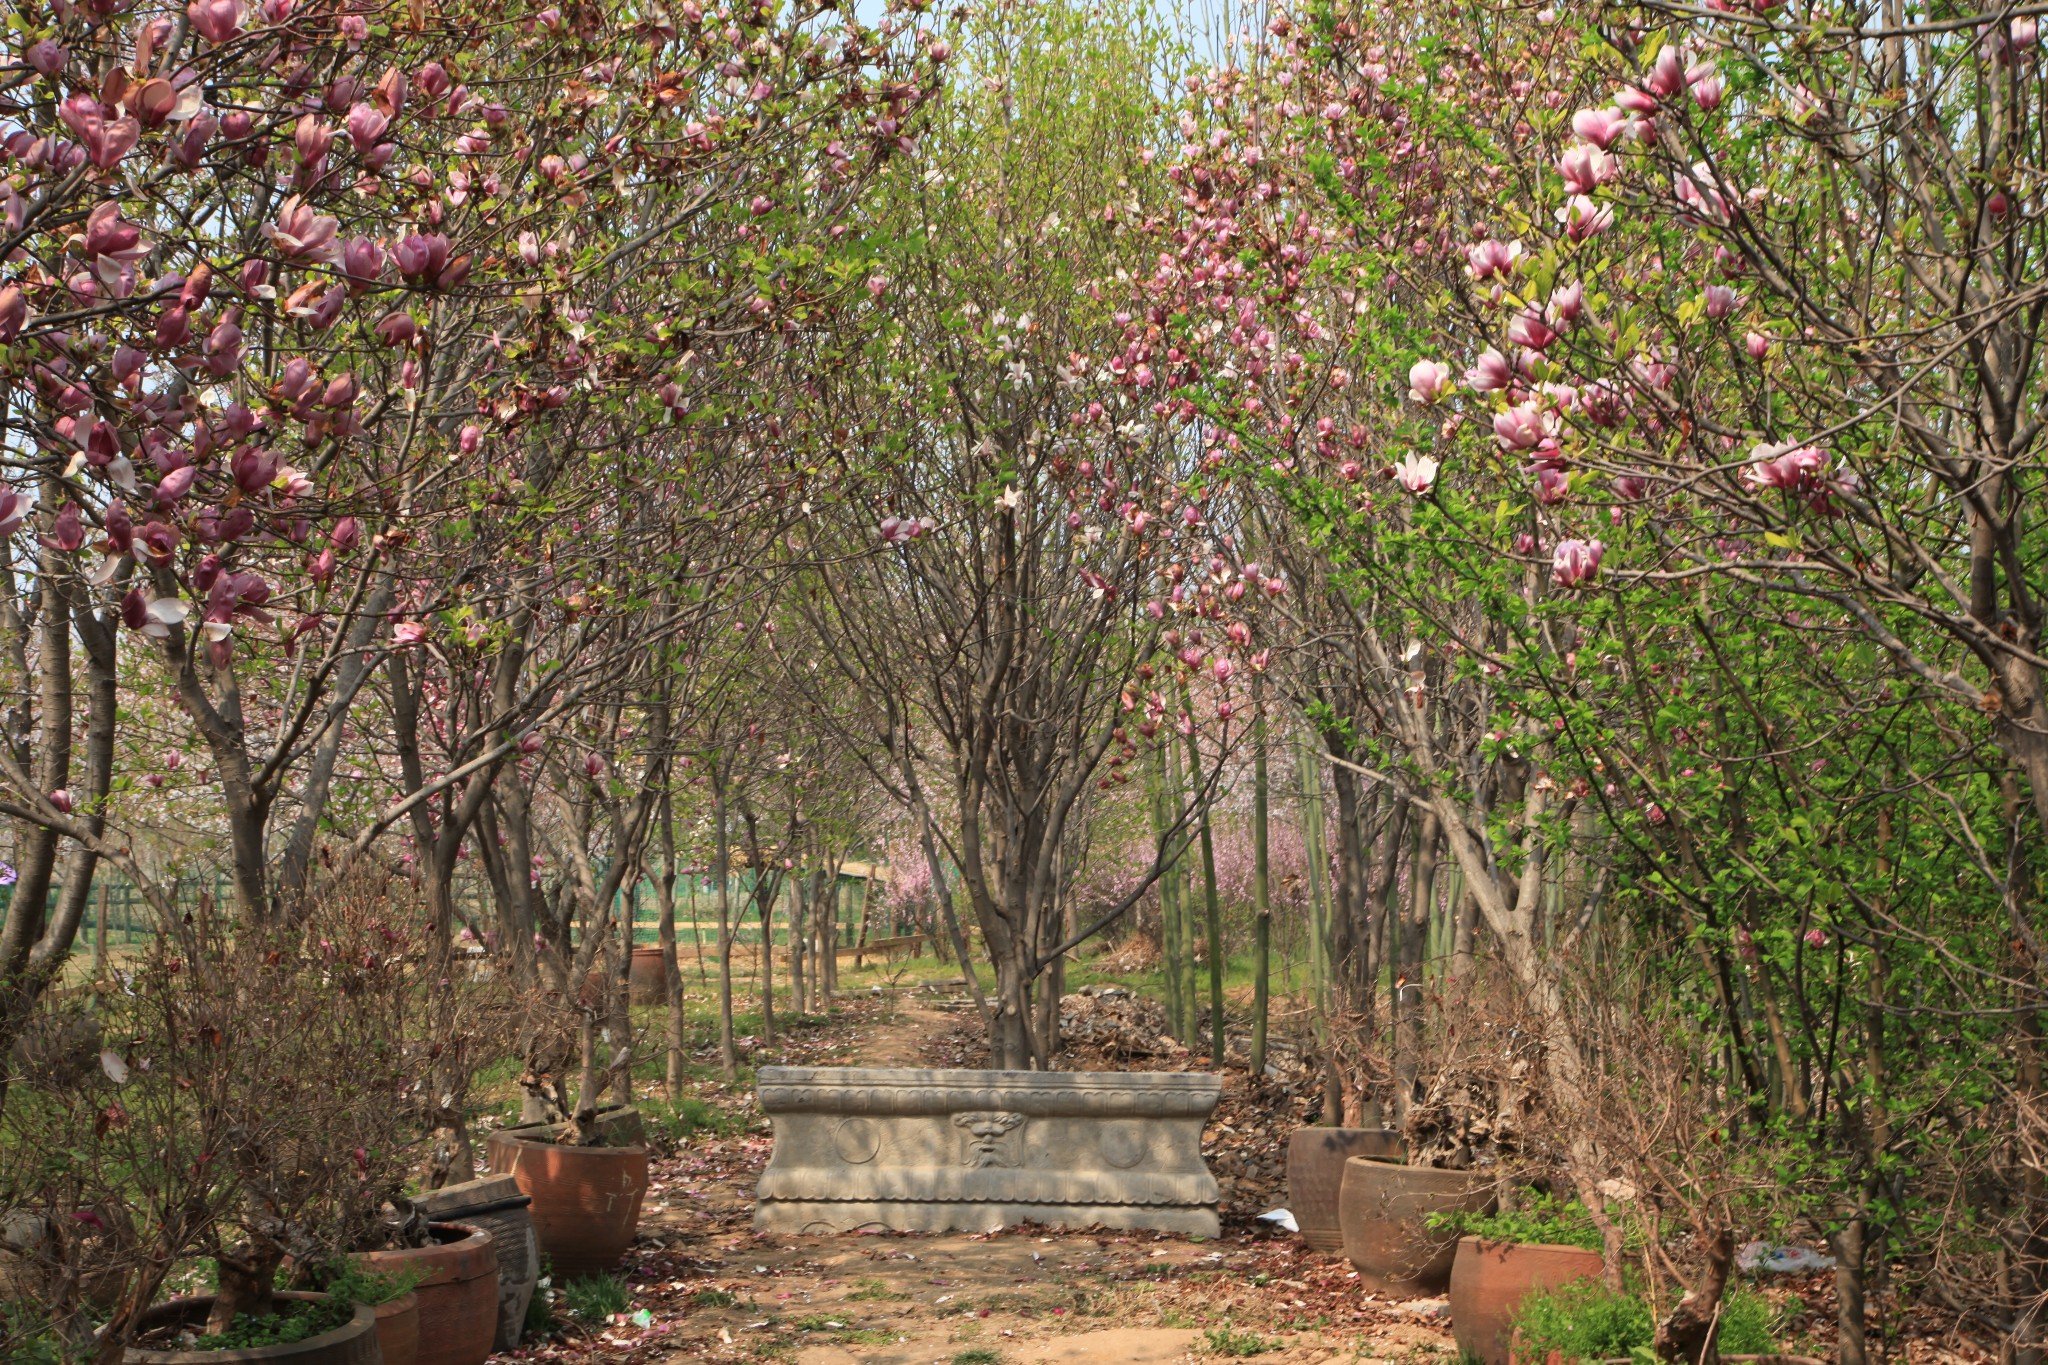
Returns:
<point x="130" y="921"/>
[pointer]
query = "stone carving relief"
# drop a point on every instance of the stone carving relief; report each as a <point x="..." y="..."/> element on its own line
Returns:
<point x="993" y="1137"/>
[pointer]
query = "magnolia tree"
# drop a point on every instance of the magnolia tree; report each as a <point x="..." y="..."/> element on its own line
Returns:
<point x="297" y="297"/>
<point x="1653" y="391"/>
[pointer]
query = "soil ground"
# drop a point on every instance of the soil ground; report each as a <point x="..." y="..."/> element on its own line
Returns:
<point x="703" y="1285"/>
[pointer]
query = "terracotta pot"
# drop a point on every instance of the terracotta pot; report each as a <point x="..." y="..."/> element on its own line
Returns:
<point x="352" y="1343"/>
<point x="645" y="978"/>
<point x="1384" y="1208"/>
<point x="458" y="1310"/>
<point x="586" y="1200"/>
<point x="1489" y="1280"/>
<point x="398" y="1329"/>
<point x="1315" y="1173"/>
<point x="498" y="1206"/>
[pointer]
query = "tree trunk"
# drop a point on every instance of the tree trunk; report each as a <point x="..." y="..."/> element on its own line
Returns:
<point x="1262" y="905"/>
<point x="1408" y="969"/>
<point x="721" y="863"/>
<point x="671" y="970"/>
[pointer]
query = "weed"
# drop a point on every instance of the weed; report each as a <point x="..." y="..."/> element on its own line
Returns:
<point x="1229" y="1341"/>
<point x="872" y="1290"/>
<point x="595" y="1297"/>
<point x="978" y="1355"/>
<point x="712" y="1298"/>
<point x="1174" y="1318"/>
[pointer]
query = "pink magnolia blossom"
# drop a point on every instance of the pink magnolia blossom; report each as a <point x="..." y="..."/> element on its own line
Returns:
<point x="1530" y="330"/>
<point x="1520" y="427"/>
<point x="300" y="234"/>
<point x="1757" y="344"/>
<point x="1602" y="127"/>
<point x="1490" y="372"/>
<point x="1667" y="72"/>
<point x="1575" y="562"/>
<point x="1417" y="473"/>
<point x="67" y="533"/>
<point x="408" y="633"/>
<point x="13" y="312"/>
<point x="1492" y="258"/>
<point x="217" y="21"/>
<point x="1586" y="168"/>
<point x="1567" y="302"/>
<point x="1428" y="380"/>
<point x="1785" y="467"/>
<point x="1583" y="218"/>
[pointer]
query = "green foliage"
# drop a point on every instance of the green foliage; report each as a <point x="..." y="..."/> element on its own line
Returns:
<point x="871" y="1289"/>
<point x="294" y="1320"/>
<point x="712" y="1298"/>
<point x="540" y="1313"/>
<point x="1231" y="1341"/>
<point x="978" y="1355"/>
<point x="355" y="1282"/>
<point x="595" y="1297"/>
<point x="1545" y="1219"/>
<point x="1585" y="1320"/>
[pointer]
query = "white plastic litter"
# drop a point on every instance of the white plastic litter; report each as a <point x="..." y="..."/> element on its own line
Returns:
<point x="1280" y="1218"/>
<point x="1789" y="1259"/>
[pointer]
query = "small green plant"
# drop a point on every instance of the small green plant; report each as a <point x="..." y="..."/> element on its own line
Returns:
<point x="872" y="1290"/>
<point x="294" y="1320"/>
<point x="1585" y="1320"/>
<point x="1229" y="1341"/>
<point x="1174" y="1318"/>
<point x="540" y="1313"/>
<point x="595" y="1297"/>
<point x="1545" y="1219"/>
<point x="357" y="1283"/>
<point x="712" y="1298"/>
<point x="978" y="1355"/>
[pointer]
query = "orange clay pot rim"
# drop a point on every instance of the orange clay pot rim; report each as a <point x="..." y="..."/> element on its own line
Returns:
<point x="517" y="1137"/>
<point x="278" y="1351"/>
<point x="1533" y="1246"/>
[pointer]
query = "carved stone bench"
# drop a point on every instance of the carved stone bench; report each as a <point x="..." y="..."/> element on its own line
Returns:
<point x="935" y="1151"/>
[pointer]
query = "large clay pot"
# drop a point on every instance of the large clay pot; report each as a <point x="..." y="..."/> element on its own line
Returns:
<point x="586" y="1200"/>
<point x="498" y="1206"/>
<point x="398" y="1329"/>
<point x="1315" y="1173"/>
<point x="352" y="1343"/>
<point x="458" y="1296"/>
<point x="1384" y="1209"/>
<point x="645" y="979"/>
<point x="1489" y="1280"/>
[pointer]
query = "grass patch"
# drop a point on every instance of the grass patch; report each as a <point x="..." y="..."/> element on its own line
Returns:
<point x="1229" y="1341"/>
<point x="978" y="1355"/>
<point x="595" y="1297"/>
<point x="712" y="1298"/>
<point x="873" y="1291"/>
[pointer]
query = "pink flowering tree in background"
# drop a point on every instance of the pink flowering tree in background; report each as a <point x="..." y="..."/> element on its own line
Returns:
<point x="295" y="303"/>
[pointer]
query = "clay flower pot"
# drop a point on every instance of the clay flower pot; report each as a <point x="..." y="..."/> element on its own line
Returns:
<point x="1489" y="1280"/>
<point x="458" y="1299"/>
<point x="1384" y="1211"/>
<point x="1315" y="1174"/>
<point x="646" y="982"/>
<point x="498" y="1206"/>
<point x="586" y="1200"/>
<point x="398" y="1329"/>
<point x="352" y="1343"/>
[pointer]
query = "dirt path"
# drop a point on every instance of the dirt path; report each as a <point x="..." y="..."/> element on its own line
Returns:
<point x="705" y="1286"/>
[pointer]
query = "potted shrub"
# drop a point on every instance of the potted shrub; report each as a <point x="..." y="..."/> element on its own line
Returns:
<point x="1584" y="1320"/>
<point x="586" y="1173"/>
<point x="1384" y="1210"/>
<point x="1501" y="1257"/>
<point x="455" y="1273"/>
